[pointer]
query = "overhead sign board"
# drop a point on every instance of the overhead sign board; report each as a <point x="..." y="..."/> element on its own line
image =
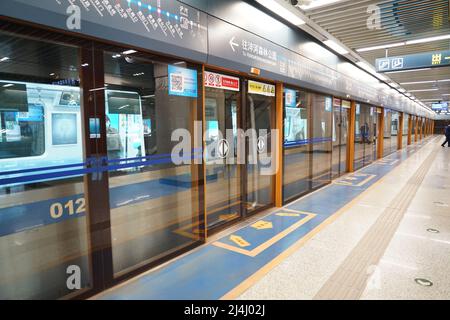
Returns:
<point x="175" y="27"/>
<point x="414" y="61"/>
<point x="442" y="106"/>
<point x="221" y="81"/>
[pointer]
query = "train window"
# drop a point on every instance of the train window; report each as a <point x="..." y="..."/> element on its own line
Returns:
<point x="22" y="134"/>
<point x="40" y="142"/>
<point x="64" y="128"/>
<point x="124" y="124"/>
<point x="296" y="117"/>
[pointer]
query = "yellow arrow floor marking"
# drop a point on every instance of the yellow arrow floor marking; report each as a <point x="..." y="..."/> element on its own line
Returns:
<point x="239" y="241"/>
<point x="262" y="225"/>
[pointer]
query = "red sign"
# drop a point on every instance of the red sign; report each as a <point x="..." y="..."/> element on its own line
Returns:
<point x="220" y="81"/>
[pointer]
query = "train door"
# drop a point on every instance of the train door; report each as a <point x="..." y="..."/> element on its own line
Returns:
<point x="336" y="153"/>
<point x="260" y="117"/>
<point x="346" y="105"/>
<point x="340" y="136"/>
<point x="222" y="121"/>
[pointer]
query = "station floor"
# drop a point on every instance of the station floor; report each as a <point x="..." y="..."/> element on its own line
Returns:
<point x="382" y="232"/>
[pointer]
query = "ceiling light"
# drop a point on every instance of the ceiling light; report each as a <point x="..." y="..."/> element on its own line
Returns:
<point x="418" y="82"/>
<point x="85" y="65"/>
<point x="115" y="56"/>
<point x="281" y="11"/>
<point x="383" y="46"/>
<point x="336" y="47"/>
<point x="317" y="3"/>
<point x="129" y="52"/>
<point x="422" y="90"/>
<point x="445" y="80"/>
<point x="444" y="37"/>
<point x="7" y="85"/>
<point x="4" y="59"/>
<point x="412" y="70"/>
<point x="371" y="70"/>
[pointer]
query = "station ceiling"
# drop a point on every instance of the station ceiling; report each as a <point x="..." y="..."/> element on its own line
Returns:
<point x="350" y="22"/>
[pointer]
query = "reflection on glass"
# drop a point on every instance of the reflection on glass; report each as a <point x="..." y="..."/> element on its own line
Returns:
<point x="296" y="161"/>
<point x="260" y="109"/>
<point x="365" y="135"/>
<point x="223" y="193"/>
<point x="405" y="130"/>
<point x="322" y="116"/>
<point x="340" y="136"/>
<point x="154" y="203"/>
<point x="43" y="227"/>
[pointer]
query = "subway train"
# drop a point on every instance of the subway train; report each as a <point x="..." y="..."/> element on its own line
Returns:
<point x="45" y="219"/>
<point x="40" y="126"/>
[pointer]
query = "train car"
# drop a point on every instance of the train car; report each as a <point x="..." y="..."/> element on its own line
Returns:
<point x="41" y="128"/>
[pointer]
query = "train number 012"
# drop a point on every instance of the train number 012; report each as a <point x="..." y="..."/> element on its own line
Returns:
<point x="57" y="209"/>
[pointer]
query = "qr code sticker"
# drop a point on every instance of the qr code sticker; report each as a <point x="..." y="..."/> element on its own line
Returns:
<point x="176" y="82"/>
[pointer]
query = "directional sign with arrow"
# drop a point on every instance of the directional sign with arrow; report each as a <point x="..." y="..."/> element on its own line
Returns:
<point x="233" y="44"/>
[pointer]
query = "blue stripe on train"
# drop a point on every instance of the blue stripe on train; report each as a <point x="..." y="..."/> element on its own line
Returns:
<point x="32" y="215"/>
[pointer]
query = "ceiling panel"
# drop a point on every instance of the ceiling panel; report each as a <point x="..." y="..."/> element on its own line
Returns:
<point x="400" y="20"/>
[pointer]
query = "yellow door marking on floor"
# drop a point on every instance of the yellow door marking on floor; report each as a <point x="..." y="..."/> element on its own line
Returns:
<point x="366" y="180"/>
<point x="268" y="243"/>
<point x="250" y="281"/>
<point x="229" y="216"/>
<point x="261" y="225"/>
<point x="284" y="214"/>
<point x="347" y="183"/>
<point x="239" y="241"/>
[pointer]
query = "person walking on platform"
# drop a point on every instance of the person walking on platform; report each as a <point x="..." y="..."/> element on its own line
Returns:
<point x="447" y="136"/>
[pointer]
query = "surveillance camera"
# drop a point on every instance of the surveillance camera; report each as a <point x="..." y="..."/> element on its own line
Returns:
<point x="294" y="2"/>
<point x="129" y="59"/>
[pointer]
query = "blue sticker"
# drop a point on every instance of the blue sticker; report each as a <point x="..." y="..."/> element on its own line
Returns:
<point x="328" y="104"/>
<point x="182" y="82"/>
<point x="290" y="98"/>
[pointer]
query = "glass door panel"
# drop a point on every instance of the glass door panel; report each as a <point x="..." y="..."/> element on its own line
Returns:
<point x="223" y="188"/>
<point x="43" y="219"/>
<point x="322" y="111"/>
<point x="337" y="124"/>
<point x="154" y="190"/>
<point x="260" y="118"/>
<point x="346" y="105"/>
<point x="297" y="166"/>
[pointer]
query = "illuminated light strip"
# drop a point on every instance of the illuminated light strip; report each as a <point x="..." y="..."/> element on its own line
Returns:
<point x="336" y="47"/>
<point x="405" y="43"/>
<point x="423" y="90"/>
<point x="281" y="11"/>
<point x="386" y="46"/>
